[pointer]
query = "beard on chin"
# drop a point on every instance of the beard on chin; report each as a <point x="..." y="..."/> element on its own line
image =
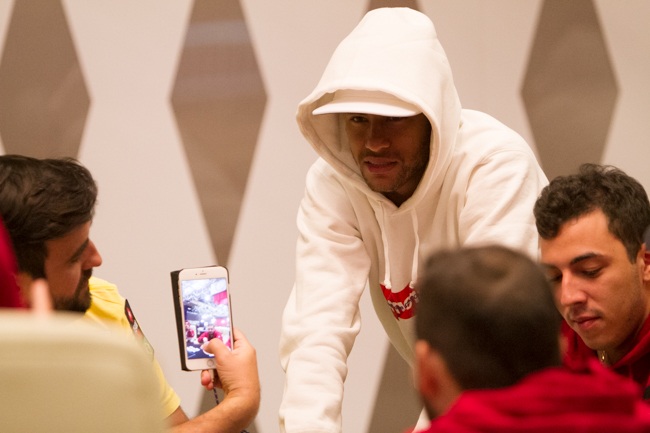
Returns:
<point x="80" y="300"/>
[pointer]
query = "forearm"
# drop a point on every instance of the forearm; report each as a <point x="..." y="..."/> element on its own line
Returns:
<point x="234" y="414"/>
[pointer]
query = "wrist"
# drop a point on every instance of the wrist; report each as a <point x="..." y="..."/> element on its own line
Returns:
<point x="241" y="405"/>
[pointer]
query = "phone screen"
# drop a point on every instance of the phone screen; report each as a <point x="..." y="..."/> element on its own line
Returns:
<point x="206" y="313"/>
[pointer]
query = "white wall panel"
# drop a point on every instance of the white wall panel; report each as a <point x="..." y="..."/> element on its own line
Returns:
<point x="628" y="37"/>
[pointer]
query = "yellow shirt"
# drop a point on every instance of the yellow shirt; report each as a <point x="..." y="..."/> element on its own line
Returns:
<point x="108" y="306"/>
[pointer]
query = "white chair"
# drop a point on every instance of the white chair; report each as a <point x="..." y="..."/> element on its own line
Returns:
<point x="61" y="374"/>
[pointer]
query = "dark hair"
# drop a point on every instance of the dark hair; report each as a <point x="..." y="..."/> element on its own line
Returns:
<point x="620" y="197"/>
<point x="41" y="200"/>
<point x="490" y="313"/>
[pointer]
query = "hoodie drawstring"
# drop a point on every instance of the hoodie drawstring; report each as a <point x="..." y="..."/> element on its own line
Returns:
<point x="384" y="239"/>
<point x="414" y="265"/>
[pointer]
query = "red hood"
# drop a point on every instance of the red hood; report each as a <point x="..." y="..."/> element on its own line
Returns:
<point x="591" y="399"/>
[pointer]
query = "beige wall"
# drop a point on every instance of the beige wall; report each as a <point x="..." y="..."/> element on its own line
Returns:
<point x="152" y="220"/>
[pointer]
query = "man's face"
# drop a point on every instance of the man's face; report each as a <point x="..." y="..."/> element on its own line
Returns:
<point x="600" y="294"/>
<point x="68" y="266"/>
<point x="391" y="152"/>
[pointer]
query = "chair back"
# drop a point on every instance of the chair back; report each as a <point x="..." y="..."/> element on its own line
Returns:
<point x="60" y="374"/>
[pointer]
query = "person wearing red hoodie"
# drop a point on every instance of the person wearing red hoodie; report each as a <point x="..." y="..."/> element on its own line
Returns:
<point x="591" y="226"/>
<point x="9" y="291"/>
<point x="489" y="353"/>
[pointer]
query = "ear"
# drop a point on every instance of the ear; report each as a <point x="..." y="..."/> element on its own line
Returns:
<point x="430" y="372"/>
<point x="646" y="262"/>
<point x="436" y="385"/>
<point x="421" y="371"/>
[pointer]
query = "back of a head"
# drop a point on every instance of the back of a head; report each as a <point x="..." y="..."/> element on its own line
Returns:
<point x="40" y="200"/>
<point x="621" y="198"/>
<point x="490" y="313"/>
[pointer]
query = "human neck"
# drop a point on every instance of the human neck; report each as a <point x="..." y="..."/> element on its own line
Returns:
<point x="396" y="198"/>
<point x="611" y="356"/>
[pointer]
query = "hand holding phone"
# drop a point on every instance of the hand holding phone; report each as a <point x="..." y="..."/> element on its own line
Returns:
<point x="203" y="299"/>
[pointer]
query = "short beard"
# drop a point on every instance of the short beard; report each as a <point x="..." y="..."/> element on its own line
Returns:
<point x="407" y="174"/>
<point x="81" y="300"/>
<point x="410" y="173"/>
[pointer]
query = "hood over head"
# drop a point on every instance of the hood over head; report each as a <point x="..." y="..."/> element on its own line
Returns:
<point x="391" y="64"/>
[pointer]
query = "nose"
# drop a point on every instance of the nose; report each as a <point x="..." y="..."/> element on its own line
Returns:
<point x="570" y="292"/>
<point x="94" y="259"/>
<point x="377" y="138"/>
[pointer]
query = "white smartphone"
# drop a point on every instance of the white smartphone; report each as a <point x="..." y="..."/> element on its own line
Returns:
<point x="206" y="314"/>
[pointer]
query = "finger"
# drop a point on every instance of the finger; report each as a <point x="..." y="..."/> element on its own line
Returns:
<point x="240" y="338"/>
<point x="40" y="297"/>
<point x="238" y="334"/>
<point x="214" y="346"/>
<point x="206" y="380"/>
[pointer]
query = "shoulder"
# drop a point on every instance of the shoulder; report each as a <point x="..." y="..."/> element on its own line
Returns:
<point x="321" y="170"/>
<point x="101" y="290"/>
<point x="107" y="305"/>
<point x="483" y="134"/>
<point x="485" y="144"/>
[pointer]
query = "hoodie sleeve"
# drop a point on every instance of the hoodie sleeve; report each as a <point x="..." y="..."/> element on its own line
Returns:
<point x="321" y="319"/>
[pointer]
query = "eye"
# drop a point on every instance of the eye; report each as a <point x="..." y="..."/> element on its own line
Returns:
<point x="554" y="279"/>
<point x="76" y="258"/>
<point x="79" y="253"/>
<point x="592" y="273"/>
<point x="553" y="276"/>
<point x="357" y="118"/>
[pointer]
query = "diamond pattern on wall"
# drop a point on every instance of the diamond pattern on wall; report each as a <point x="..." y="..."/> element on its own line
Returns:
<point x="218" y="100"/>
<point x="396" y="396"/>
<point x="376" y="4"/>
<point x="569" y="90"/>
<point x="43" y="97"/>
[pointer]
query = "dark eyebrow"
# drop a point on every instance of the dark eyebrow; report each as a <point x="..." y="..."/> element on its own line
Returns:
<point x="584" y="257"/>
<point x="574" y="261"/>
<point x="75" y="256"/>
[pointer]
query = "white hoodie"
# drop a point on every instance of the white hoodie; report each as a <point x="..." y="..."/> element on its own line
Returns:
<point x="479" y="187"/>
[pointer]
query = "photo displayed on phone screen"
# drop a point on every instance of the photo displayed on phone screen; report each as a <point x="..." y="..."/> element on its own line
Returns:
<point x="207" y="314"/>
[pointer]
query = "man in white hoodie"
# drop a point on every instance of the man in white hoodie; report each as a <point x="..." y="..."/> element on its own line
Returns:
<point x="403" y="170"/>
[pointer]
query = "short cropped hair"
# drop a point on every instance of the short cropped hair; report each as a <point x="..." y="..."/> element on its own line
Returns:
<point x="490" y="313"/>
<point x="41" y="200"/>
<point x="620" y="197"/>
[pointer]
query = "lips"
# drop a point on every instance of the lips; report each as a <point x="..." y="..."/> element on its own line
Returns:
<point x="379" y="165"/>
<point x="584" y="323"/>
